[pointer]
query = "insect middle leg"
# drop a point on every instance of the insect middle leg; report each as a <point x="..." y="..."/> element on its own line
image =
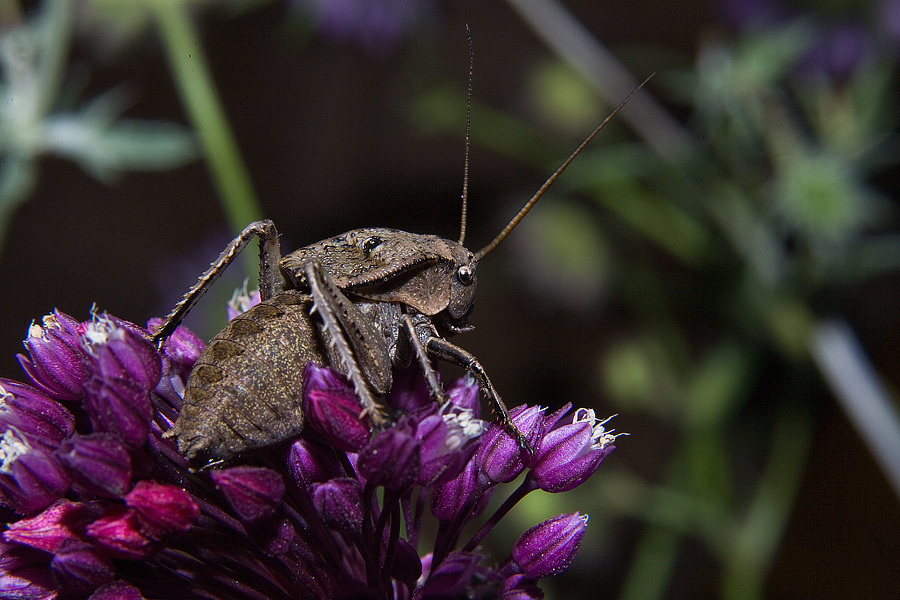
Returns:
<point x="437" y="347"/>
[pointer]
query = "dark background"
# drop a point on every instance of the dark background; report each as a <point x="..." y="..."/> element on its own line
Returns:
<point x="324" y="132"/>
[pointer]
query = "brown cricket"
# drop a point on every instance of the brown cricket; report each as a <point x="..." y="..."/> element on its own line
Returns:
<point x="365" y="302"/>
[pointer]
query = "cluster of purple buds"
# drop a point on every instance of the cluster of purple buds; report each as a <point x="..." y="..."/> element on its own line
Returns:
<point x="99" y="504"/>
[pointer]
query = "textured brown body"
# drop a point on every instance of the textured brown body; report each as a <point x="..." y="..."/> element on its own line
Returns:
<point x="246" y="388"/>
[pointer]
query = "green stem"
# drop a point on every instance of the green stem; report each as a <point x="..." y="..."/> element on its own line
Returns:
<point x="192" y="76"/>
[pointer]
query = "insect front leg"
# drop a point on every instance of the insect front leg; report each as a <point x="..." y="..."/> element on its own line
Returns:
<point x="361" y="348"/>
<point x="437" y="347"/>
<point x="270" y="281"/>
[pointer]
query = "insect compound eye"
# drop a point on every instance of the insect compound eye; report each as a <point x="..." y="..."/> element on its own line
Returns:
<point x="466" y="274"/>
<point x="370" y="243"/>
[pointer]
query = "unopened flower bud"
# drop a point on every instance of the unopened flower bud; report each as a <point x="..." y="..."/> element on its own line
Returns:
<point x="65" y="520"/>
<point x="31" y="478"/>
<point x="332" y="408"/>
<point x="253" y="492"/>
<point x="80" y="568"/>
<point x="34" y="414"/>
<point x="392" y="458"/>
<point x="499" y="455"/>
<point x="339" y="503"/>
<point x="162" y="509"/>
<point x="549" y="547"/>
<point x="97" y="462"/>
<point x="118" y="534"/>
<point x="56" y="363"/>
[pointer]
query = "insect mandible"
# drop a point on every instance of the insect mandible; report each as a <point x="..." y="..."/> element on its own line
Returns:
<point x="364" y="302"/>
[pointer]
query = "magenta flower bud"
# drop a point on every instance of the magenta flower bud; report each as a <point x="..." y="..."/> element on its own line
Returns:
<point x="466" y="393"/>
<point x="57" y="363"/>
<point x="80" y="568"/>
<point x="549" y="547"/>
<point x="499" y="455"/>
<point x="313" y="462"/>
<point x="568" y="455"/>
<point x="470" y="486"/>
<point x="332" y="408"/>
<point x="117" y="590"/>
<point x="339" y="503"/>
<point x="253" y="492"/>
<point x="392" y="459"/>
<point x="162" y="509"/>
<point x="31" y="478"/>
<point x="34" y="414"/>
<point x="448" y="440"/>
<point x="98" y="463"/>
<point x="118" y="534"/>
<point x="24" y="574"/>
<point x="46" y="531"/>
<point x="183" y="347"/>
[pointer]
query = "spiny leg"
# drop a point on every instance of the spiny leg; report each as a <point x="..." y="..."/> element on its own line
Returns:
<point x="446" y="351"/>
<point x="340" y="316"/>
<point x="269" y="275"/>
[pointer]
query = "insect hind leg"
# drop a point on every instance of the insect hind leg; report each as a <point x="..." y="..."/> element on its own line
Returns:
<point x="270" y="281"/>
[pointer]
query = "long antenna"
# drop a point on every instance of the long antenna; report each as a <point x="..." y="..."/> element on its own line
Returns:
<point x="537" y="195"/>
<point x="465" y="190"/>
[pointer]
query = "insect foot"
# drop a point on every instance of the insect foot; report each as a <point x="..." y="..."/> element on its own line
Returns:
<point x="100" y="503"/>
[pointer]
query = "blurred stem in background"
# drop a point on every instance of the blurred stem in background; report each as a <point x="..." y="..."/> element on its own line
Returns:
<point x="195" y="83"/>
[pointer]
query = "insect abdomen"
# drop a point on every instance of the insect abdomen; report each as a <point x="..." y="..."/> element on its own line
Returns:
<point x="246" y="388"/>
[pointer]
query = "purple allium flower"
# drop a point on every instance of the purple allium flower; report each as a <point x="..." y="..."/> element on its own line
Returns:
<point x="56" y="362"/>
<point x="549" y="547"/>
<point x="500" y="456"/>
<point x="568" y="455"/>
<point x="34" y="414"/>
<point x="111" y="510"/>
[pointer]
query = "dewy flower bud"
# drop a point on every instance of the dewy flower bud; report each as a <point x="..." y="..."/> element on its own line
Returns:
<point x="80" y="568"/>
<point x="34" y="414"/>
<point x="549" y="547"/>
<point x="332" y="408"/>
<point x="392" y="458"/>
<point x="97" y="462"/>
<point x="118" y="534"/>
<point x="253" y="492"/>
<point x="313" y="462"/>
<point x="570" y="454"/>
<point x="63" y="521"/>
<point x="161" y="508"/>
<point x="499" y="455"/>
<point x="31" y="478"/>
<point x="339" y="503"/>
<point x="57" y="363"/>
